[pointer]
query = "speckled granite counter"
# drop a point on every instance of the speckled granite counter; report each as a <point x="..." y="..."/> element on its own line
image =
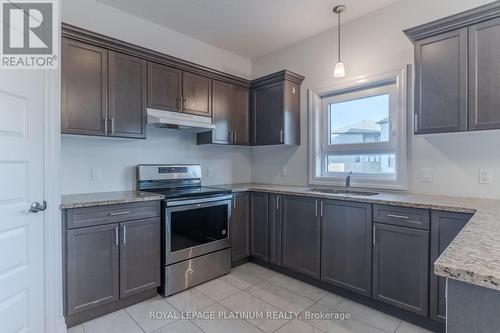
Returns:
<point x="473" y="256"/>
<point x="106" y="198"/>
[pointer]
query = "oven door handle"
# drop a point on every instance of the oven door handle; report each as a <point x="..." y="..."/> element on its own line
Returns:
<point x="199" y="200"/>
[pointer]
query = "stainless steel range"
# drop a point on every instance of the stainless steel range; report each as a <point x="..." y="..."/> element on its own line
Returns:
<point x="196" y="244"/>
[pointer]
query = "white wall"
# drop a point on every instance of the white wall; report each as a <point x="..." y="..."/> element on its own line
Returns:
<point x="118" y="157"/>
<point x="372" y="45"/>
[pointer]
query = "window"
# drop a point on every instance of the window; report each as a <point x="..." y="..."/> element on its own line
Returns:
<point x="360" y="127"/>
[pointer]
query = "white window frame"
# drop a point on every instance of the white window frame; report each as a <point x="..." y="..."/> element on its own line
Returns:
<point x="319" y="145"/>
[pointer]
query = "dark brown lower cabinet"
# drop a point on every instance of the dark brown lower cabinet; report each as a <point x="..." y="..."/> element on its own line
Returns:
<point x="92" y="267"/>
<point x="240" y="227"/>
<point x="445" y="227"/>
<point x="275" y="229"/>
<point x="401" y="267"/>
<point x="346" y="251"/>
<point x="301" y="235"/>
<point x="139" y="256"/>
<point x="259" y="207"/>
<point x="111" y="260"/>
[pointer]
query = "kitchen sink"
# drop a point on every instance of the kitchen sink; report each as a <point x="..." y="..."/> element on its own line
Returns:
<point x="342" y="191"/>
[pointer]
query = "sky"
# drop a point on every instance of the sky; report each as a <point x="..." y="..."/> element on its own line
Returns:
<point x="350" y="112"/>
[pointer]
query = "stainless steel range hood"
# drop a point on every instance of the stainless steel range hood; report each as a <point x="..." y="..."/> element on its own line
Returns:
<point x="177" y="120"/>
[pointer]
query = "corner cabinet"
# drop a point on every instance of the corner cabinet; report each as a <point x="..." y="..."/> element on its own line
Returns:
<point x="275" y="109"/>
<point x="445" y="226"/>
<point x="230" y="114"/>
<point x="103" y="92"/>
<point x="457" y="64"/>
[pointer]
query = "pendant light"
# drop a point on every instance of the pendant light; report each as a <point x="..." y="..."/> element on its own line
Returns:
<point x="339" y="66"/>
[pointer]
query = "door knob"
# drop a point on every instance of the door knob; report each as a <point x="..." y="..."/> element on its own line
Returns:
<point x="37" y="207"/>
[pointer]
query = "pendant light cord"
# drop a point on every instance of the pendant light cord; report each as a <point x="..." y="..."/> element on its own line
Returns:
<point x="338" y="30"/>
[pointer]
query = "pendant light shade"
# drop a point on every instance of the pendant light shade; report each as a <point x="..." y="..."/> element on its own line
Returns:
<point x="339" y="70"/>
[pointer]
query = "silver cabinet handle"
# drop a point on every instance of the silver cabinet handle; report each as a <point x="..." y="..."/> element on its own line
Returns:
<point x="105" y="123"/>
<point x="234" y="137"/>
<point x="184" y="102"/>
<point x="234" y="202"/>
<point x="321" y="208"/>
<point x="38" y="207"/>
<point x="112" y="124"/>
<point x="119" y="213"/>
<point x="124" y="234"/>
<point x="117" y="236"/>
<point x="374" y="234"/>
<point x="230" y="136"/>
<point x="415" y="123"/>
<point x="316" y="208"/>
<point x="277" y="203"/>
<point x="398" y="216"/>
<point x="281" y="136"/>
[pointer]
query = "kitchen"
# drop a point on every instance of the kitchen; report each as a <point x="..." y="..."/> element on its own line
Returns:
<point x="335" y="173"/>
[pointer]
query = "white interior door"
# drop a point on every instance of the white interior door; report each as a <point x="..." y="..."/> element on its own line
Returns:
<point x="22" y="109"/>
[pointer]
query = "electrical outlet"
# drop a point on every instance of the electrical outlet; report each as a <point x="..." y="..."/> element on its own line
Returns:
<point x="426" y="175"/>
<point x="210" y="172"/>
<point x="485" y="176"/>
<point x="284" y="171"/>
<point x="96" y="174"/>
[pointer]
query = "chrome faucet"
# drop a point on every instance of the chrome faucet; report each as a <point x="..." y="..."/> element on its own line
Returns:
<point x="348" y="181"/>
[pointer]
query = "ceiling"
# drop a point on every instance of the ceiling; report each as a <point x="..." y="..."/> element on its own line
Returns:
<point x="249" y="28"/>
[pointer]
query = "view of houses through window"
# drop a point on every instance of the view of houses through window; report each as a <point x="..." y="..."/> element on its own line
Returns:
<point x="358" y="121"/>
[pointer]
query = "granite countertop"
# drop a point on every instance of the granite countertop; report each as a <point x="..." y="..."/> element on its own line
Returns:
<point x="472" y="257"/>
<point x="106" y="198"/>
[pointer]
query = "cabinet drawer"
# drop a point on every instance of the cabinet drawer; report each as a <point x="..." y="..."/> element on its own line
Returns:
<point x="89" y="216"/>
<point x="402" y="216"/>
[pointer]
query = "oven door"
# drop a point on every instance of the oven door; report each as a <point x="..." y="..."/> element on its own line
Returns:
<point x="196" y="227"/>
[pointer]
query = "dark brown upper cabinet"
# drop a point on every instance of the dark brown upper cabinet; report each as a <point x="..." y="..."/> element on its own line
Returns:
<point x="230" y="114"/>
<point x="196" y="93"/>
<point x="275" y="109"/>
<point x="103" y="92"/>
<point x="484" y="71"/>
<point x="84" y="88"/>
<point x="456" y="72"/>
<point x="127" y="96"/>
<point x="164" y="87"/>
<point x="441" y="83"/>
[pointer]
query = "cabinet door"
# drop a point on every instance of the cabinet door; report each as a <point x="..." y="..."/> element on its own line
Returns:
<point x="84" y="88"/>
<point x="445" y="226"/>
<point x="484" y="71"/>
<point x="441" y="83"/>
<point x="291" y="127"/>
<point x="267" y="115"/>
<point x="259" y="208"/>
<point x="301" y="235"/>
<point x="240" y="231"/>
<point x="221" y="111"/>
<point x="127" y="96"/>
<point x="139" y="256"/>
<point x="92" y="266"/>
<point x="275" y="229"/>
<point x="196" y="94"/>
<point x="164" y="87"/>
<point x="401" y="267"/>
<point x="240" y="112"/>
<point x="346" y="256"/>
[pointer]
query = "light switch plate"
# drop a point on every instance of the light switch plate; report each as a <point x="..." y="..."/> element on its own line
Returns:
<point x="426" y="175"/>
<point x="485" y="176"/>
<point x="284" y="171"/>
<point x="210" y="172"/>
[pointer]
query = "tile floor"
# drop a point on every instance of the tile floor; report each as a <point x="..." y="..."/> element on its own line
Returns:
<point x="248" y="288"/>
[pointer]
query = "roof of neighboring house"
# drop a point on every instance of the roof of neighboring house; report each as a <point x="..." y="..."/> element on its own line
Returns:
<point x="363" y="127"/>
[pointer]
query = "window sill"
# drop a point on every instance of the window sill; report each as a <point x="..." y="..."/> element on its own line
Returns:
<point x="368" y="184"/>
